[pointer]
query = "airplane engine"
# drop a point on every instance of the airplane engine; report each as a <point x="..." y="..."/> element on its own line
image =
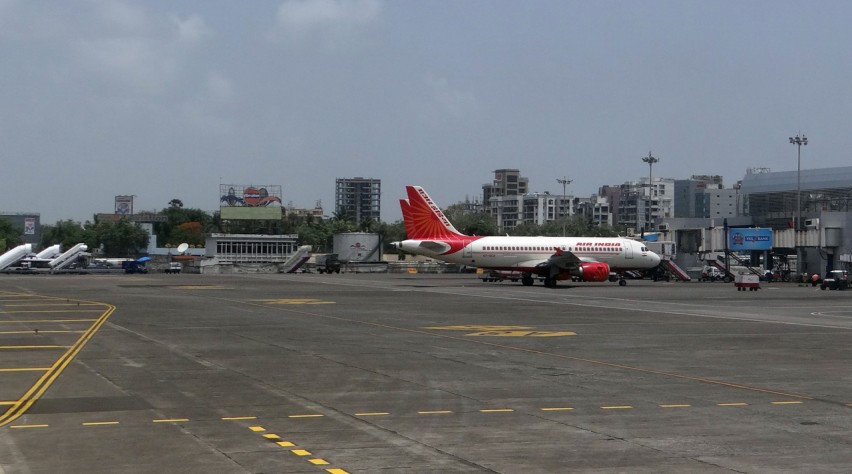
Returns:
<point x="593" y="271"/>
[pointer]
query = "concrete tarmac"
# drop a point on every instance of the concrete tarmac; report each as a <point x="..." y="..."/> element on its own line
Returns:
<point x="419" y="374"/>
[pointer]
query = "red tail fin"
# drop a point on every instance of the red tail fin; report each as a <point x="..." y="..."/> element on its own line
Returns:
<point x="424" y="219"/>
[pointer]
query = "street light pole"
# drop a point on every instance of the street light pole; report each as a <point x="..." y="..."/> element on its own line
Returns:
<point x="564" y="182"/>
<point x="799" y="141"/>
<point x="650" y="160"/>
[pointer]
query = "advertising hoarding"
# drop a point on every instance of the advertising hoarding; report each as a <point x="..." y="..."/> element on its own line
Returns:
<point x="749" y="239"/>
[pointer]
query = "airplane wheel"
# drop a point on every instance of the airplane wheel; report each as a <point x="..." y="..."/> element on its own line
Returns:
<point x="527" y="280"/>
<point x="622" y="282"/>
<point x="550" y="282"/>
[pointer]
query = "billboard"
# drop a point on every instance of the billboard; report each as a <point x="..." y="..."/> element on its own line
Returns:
<point x="124" y="205"/>
<point x="247" y="202"/>
<point x="749" y="239"/>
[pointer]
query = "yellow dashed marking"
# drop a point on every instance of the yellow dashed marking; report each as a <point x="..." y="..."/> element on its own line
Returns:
<point x="377" y="413"/>
<point x="300" y="452"/>
<point x="285" y="444"/>
<point x="675" y="406"/>
<point x="257" y="428"/>
<point x="496" y="410"/>
<point x="336" y="470"/>
<point x="479" y="328"/>
<point x="557" y="409"/>
<point x="295" y="301"/>
<point x="271" y="436"/>
<point x="503" y="331"/>
<point x="170" y="420"/>
<point x="26" y="369"/>
<point x="617" y="407"/>
<point x="235" y="418"/>
<point x="28" y="426"/>
<point x="791" y="402"/>
<point x="6" y="402"/>
<point x="738" y="404"/>
<point x="524" y="333"/>
<point x="100" y="423"/>
<point x="305" y="416"/>
<point x="318" y="462"/>
<point x="434" y="412"/>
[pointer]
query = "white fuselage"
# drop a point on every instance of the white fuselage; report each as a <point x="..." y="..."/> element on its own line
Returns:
<point x="525" y="253"/>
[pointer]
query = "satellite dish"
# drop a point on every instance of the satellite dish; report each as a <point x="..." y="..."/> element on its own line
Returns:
<point x="182" y="247"/>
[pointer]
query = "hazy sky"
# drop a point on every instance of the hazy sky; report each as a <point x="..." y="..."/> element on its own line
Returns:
<point x="166" y="99"/>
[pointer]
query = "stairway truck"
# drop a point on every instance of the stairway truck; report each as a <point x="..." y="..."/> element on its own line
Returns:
<point x="746" y="281"/>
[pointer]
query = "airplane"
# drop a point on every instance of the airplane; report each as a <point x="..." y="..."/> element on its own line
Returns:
<point x="593" y="259"/>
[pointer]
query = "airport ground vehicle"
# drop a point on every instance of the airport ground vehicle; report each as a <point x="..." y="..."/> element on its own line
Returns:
<point x="134" y="266"/>
<point x="499" y="275"/>
<point x="328" y="263"/>
<point x="835" y="280"/>
<point x="711" y="273"/>
<point x="174" y="267"/>
<point x="746" y="281"/>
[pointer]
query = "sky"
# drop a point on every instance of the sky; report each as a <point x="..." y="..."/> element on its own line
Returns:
<point x="167" y="100"/>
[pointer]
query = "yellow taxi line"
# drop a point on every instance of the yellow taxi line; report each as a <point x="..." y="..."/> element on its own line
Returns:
<point x="41" y="332"/>
<point x="30" y="321"/>
<point x="24" y="369"/>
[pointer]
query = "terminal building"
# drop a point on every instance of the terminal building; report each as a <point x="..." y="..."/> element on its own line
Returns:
<point x="808" y="212"/>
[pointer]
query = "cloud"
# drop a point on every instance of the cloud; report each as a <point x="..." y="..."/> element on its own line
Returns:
<point x="452" y="101"/>
<point x="298" y="19"/>
<point x="193" y="29"/>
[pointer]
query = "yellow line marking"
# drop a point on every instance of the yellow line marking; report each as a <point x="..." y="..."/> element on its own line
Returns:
<point x="739" y="404"/>
<point x="100" y="423"/>
<point x="234" y="418"/>
<point x="557" y="409"/>
<point x="436" y="412"/>
<point x="170" y="420"/>
<point x="341" y="471"/>
<point x="285" y="444"/>
<point x="675" y="406"/>
<point x="791" y="402"/>
<point x="617" y="407"/>
<point x="305" y="416"/>
<point x="257" y="428"/>
<point x="300" y="452"/>
<point x="29" y="426"/>
<point x="6" y="402"/>
<point x="271" y="436"/>
<point x="318" y="462"/>
<point x="496" y="410"/>
<point x="377" y="413"/>
<point x="26" y="369"/>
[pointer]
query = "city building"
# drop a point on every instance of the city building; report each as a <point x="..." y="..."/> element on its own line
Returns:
<point x="640" y="205"/>
<point x="358" y="198"/>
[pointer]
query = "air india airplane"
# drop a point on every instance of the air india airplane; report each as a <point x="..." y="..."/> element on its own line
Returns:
<point x="597" y="259"/>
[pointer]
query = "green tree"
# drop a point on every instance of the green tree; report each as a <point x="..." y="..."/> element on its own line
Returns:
<point x="10" y="236"/>
<point x="121" y="238"/>
<point x="67" y="233"/>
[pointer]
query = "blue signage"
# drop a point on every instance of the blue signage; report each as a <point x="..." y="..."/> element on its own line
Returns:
<point x="749" y="239"/>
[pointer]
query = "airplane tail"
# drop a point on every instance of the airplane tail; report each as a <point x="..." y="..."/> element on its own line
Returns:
<point x="424" y="219"/>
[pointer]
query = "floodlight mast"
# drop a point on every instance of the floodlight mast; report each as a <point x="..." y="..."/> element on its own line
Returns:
<point x="650" y="159"/>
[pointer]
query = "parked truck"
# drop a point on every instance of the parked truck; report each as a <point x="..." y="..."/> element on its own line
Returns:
<point x="328" y="263"/>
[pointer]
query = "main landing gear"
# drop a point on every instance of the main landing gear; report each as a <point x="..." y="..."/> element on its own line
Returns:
<point x="527" y="279"/>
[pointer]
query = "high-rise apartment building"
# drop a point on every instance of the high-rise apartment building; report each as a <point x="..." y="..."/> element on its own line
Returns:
<point x="358" y="198"/>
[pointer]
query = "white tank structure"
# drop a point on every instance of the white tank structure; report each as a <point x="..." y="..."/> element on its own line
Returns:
<point x="51" y="252"/>
<point x="358" y="247"/>
<point x="13" y="256"/>
<point x="68" y="257"/>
